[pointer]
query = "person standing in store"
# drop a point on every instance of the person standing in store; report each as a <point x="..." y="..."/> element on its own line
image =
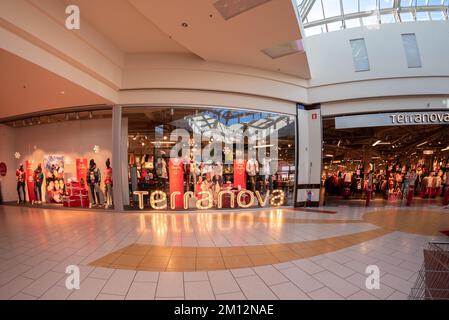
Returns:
<point x="94" y="180"/>
<point x="21" y="179"/>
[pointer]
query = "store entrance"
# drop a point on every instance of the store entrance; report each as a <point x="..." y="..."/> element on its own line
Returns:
<point x="397" y="158"/>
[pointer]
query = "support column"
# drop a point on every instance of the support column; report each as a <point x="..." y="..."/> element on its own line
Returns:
<point x="117" y="158"/>
<point x="308" y="160"/>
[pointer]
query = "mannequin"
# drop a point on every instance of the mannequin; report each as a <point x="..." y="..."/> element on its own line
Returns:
<point x="38" y="180"/>
<point x="162" y="172"/>
<point x="21" y="178"/>
<point x="266" y="163"/>
<point x="108" y="184"/>
<point x="252" y="169"/>
<point x="93" y="181"/>
<point x="192" y="173"/>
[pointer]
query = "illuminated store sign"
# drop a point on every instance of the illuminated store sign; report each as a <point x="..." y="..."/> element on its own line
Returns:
<point x="389" y="119"/>
<point x="205" y="199"/>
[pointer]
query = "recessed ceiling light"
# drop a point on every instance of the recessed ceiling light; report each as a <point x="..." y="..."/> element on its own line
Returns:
<point x="184" y="24"/>
<point x="62" y="92"/>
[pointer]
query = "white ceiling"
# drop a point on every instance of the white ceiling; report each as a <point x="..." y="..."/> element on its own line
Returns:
<point x="26" y="87"/>
<point x="138" y="26"/>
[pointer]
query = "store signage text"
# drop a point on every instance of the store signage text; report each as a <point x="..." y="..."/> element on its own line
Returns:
<point x="205" y="199"/>
<point x="392" y="119"/>
<point x="419" y="118"/>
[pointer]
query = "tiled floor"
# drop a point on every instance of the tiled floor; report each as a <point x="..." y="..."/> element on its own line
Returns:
<point x="266" y="254"/>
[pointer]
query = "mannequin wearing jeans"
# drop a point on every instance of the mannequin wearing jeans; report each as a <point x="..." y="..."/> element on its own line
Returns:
<point x="38" y="179"/>
<point x="21" y="178"/>
<point x="93" y="180"/>
<point x="108" y="184"/>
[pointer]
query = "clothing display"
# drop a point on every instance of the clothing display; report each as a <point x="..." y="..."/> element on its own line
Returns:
<point x="252" y="169"/>
<point x="21" y="179"/>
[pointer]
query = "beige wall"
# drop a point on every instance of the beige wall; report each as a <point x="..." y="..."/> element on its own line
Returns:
<point x="7" y="150"/>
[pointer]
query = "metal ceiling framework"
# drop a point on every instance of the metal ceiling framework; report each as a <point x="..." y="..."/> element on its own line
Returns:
<point x="321" y="16"/>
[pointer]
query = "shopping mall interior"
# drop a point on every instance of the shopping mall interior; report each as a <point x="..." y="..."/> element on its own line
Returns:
<point x="226" y="150"/>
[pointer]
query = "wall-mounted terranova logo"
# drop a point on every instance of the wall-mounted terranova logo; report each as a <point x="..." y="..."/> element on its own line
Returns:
<point x="392" y="119"/>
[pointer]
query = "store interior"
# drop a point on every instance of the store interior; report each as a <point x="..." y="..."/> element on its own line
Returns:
<point x="209" y="159"/>
<point x="391" y="153"/>
<point x="59" y="160"/>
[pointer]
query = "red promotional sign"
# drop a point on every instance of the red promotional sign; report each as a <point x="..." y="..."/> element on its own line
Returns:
<point x="3" y="169"/>
<point x="240" y="173"/>
<point x="81" y="171"/>
<point x="314" y="116"/>
<point x="29" y="170"/>
<point x="176" y="174"/>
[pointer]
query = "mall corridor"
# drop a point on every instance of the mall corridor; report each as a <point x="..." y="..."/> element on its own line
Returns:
<point x="259" y="254"/>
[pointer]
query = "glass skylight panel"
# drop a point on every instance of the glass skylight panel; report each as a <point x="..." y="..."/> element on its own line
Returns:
<point x="370" y="20"/>
<point x="386" y="4"/>
<point x="311" y="31"/>
<point x="407" y="3"/>
<point x="437" y="15"/>
<point x="406" y="16"/>
<point x="350" y="6"/>
<point x="422" y="16"/>
<point x="316" y="13"/>
<point x="356" y="13"/>
<point x="387" y="18"/>
<point x="367" y="5"/>
<point x="352" y="23"/>
<point x="435" y="2"/>
<point x="334" y="26"/>
<point x="331" y="8"/>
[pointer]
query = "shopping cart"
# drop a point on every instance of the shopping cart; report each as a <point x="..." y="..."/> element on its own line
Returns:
<point x="433" y="278"/>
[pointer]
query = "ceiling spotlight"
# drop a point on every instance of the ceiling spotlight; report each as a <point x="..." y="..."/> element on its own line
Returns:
<point x="376" y="143"/>
<point x="62" y="92"/>
<point x="165" y="137"/>
<point x="91" y="115"/>
<point x="143" y="144"/>
<point x="184" y="24"/>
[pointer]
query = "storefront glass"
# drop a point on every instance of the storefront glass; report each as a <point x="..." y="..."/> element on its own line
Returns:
<point x="188" y="158"/>
<point x="63" y="159"/>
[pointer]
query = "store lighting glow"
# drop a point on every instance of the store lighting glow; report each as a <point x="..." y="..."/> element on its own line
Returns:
<point x="264" y="146"/>
<point x="376" y="143"/>
<point x="445" y="149"/>
<point x="163" y="142"/>
<point x="423" y="143"/>
<point x="329" y="155"/>
<point x="428" y="152"/>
